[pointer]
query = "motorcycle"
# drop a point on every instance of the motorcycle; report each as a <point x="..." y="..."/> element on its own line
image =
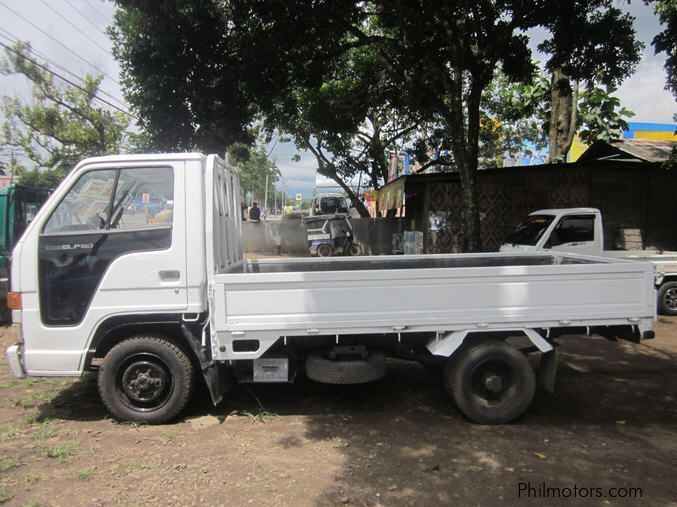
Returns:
<point x="330" y="235"/>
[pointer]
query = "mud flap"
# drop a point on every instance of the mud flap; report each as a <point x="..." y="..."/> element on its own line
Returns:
<point x="216" y="376"/>
<point x="218" y="381"/>
<point x="547" y="370"/>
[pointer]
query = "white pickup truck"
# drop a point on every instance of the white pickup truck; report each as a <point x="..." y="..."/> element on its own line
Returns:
<point x="153" y="298"/>
<point x="580" y="231"/>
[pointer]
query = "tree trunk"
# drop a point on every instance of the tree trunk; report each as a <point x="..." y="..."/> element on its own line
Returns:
<point x="563" y="116"/>
<point x="465" y="151"/>
<point x="355" y="199"/>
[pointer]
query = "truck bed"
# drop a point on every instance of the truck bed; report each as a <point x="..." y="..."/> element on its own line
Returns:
<point x="269" y="298"/>
<point x="303" y="264"/>
<point x="655" y="256"/>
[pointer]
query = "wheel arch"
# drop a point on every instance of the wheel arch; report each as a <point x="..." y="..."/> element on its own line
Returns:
<point x="668" y="278"/>
<point x="117" y="328"/>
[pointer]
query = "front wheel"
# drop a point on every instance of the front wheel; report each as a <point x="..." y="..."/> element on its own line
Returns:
<point x="354" y="250"/>
<point x="146" y="379"/>
<point x="490" y="382"/>
<point x="667" y="298"/>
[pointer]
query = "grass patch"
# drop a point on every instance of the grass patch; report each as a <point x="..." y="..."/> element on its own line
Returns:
<point x="131" y="424"/>
<point x="60" y="453"/>
<point x="33" y="399"/>
<point x="84" y="475"/>
<point x="32" y="418"/>
<point x="132" y="466"/>
<point x="4" y="495"/>
<point x="31" y="479"/>
<point x="169" y="435"/>
<point x="10" y="433"/>
<point x="8" y="463"/>
<point x="44" y="430"/>
<point x="261" y="416"/>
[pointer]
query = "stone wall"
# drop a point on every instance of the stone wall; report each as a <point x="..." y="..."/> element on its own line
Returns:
<point x="288" y="237"/>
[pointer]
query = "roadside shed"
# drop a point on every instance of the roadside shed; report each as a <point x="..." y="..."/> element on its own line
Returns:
<point x="627" y="180"/>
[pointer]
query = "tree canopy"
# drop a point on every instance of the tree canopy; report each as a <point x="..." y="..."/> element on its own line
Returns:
<point x="61" y="125"/>
<point x="350" y="80"/>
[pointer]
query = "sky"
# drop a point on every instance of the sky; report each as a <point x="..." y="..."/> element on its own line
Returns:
<point x="71" y="33"/>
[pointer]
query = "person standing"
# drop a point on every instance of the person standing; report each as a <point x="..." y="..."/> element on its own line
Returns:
<point x="254" y="213"/>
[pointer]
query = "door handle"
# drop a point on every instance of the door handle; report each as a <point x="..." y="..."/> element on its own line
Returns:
<point x="171" y="275"/>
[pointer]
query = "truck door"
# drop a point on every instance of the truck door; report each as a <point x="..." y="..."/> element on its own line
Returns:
<point x="108" y="247"/>
<point x="574" y="234"/>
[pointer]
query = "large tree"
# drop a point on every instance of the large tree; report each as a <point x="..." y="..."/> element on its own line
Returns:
<point x="524" y="111"/>
<point x="62" y="123"/>
<point x="666" y="40"/>
<point x="192" y="69"/>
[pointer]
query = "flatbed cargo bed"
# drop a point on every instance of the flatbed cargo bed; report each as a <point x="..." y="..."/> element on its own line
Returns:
<point x="266" y="299"/>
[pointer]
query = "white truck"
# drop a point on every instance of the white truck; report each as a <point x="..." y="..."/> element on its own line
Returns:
<point x="580" y="231"/>
<point x="151" y="302"/>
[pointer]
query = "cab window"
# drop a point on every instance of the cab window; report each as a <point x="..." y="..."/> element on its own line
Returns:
<point x="573" y="229"/>
<point x="105" y="199"/>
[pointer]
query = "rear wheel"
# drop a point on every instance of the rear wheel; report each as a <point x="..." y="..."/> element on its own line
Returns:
<point x="325" y="250"/>
<point x="146" y="379"/>
<point x="490" y="382"/>
<point x="667" y="298"/>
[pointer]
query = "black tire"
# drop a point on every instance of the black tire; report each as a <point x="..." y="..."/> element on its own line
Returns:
<point x="354" y="250"/>
<point x="490" y="382"/>
<point x="346" y="371"/>
<point x="146" y="379"/>
<point x="667" y="298"/>
<point x="325" y="250"/>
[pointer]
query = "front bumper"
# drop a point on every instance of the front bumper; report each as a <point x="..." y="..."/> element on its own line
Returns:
<point x="14" y="360"/>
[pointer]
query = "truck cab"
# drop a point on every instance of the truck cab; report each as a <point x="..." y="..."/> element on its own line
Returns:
<point x="571" y="230"/>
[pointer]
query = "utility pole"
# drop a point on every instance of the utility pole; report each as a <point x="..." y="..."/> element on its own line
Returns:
<point x="265" y="198"/>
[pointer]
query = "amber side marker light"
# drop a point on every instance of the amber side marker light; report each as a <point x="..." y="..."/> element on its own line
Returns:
<point x="14" y="300"/>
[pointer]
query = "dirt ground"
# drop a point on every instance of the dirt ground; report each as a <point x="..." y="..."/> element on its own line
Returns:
<point x="611" y="424"/>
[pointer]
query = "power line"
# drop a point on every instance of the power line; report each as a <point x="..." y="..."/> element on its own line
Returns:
<point x="86" y="18"/>
<point x="55" y="40"/>
<point x="96" y="9"/>
<point x="14" y="39"/>
<point x="56" y="74"/>
<point x="74" y="26"/>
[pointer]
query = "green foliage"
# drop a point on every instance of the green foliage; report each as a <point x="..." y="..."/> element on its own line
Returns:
<point x="524" y="111"/>
<point x="351" y="81"/>
<point x="181" y="73"/>
<point x="254" y="167"/>
<point x="48" y="179"/>
<point x="61" y="125"/>
<point x="601" y="114"/>
<point x="666" y="41"/>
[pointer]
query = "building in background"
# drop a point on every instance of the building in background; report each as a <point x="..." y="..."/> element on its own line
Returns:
<point x="636" y="130"/>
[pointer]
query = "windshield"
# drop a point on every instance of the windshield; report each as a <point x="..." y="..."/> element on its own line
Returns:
<point x="530" y="231"/>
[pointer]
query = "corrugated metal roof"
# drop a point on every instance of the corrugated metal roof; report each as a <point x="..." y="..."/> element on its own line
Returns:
<point x="629" y="150"/>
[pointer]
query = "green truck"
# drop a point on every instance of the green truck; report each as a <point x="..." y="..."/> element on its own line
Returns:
<point x="18" y="206"/>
